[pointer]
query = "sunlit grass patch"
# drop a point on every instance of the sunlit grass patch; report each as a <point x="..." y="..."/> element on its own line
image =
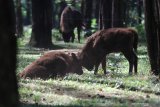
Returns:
<point x="68" y="92"/>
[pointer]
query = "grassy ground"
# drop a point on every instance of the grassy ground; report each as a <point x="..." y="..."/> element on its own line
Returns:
<point x="115" y="89"/>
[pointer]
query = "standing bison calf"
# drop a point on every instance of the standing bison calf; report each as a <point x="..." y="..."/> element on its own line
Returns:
<point x="107" y="41"/>
<point x="53" y="64"/>
<point x="70" y="19"/>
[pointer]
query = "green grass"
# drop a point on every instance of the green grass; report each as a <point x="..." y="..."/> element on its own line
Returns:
<point x="114" y="90"/>
<point x="69" y="92"/>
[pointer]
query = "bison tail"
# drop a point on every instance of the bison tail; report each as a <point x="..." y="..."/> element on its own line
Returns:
<point x="135" y="44"/>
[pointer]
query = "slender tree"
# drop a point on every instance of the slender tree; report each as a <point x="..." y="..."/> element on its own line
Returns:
<point x="152" y="26"/>
<point x="86" y="10"/>
<point x="105" y="14"/>
<point x="54" y="14"/>
<point x="127" y="18"/>
<point x="28" y="12"/>
<point x="139" y="10"/>
<point x="19" y="19"/>
<point x="8" y="82"/>
<point x="118" y="13"/>
<point x="96" y="9"/>
<point x="41" y="23"/>
<point x="157" y="18"/>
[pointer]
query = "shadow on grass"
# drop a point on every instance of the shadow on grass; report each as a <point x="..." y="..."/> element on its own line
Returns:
<point x="40" y="105"/>
<point x="86" y="97"/>
<point x="32" y="50"/>
<point x="114" y="80"/>
<point x="57" y="46"/>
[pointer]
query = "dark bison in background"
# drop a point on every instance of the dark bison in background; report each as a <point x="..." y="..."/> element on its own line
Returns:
<point x="107" y="41"/>
<point x="70" y="19"/>
<point x="53" y="64"/>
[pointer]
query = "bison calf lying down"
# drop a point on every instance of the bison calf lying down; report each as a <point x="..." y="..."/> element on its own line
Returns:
<point x="70" y="19"/>
<point x="107" y="41"/>
<point x="53" y="64"/>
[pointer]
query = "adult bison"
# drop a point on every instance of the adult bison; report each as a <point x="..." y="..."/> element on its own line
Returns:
<point x="70" y="19"/>
<point x="107" y="41"/>
<point x="53" y="64"/>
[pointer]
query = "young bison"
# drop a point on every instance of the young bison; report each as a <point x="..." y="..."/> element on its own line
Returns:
<point x="107" y="41"/>
<point x="70" y="19"/>
<point x="53" y="64"/>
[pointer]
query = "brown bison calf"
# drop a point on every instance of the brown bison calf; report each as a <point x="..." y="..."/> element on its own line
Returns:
<point x="70" y="19"/>
<point x="107" y="41"/>
<point x="53" y="64"/>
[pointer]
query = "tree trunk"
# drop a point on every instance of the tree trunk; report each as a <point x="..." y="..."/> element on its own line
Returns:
<point x="19" y="19"/>
<point x="157" y="25"/>
<point x="127" y="18"/>
<point x="41" y="23"/>
<point x="54" y="14"/>
<point x="86" y="9"/>
<point x="139" y="9"/>
<point x="105" y="13"/>
<point x="152" y="26"/>
<point x="96" y="9"/>
<point x="8" y="82"/>
<point x="28" y="12"/>
<point x="118" y="13"/>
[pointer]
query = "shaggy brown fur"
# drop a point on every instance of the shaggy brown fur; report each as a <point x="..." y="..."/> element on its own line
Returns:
<point x="53" y="64"/>
<point x="70" y="19"/>
<point x="107" y="41"/>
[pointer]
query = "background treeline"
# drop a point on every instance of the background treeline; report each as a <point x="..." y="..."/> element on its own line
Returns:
<point x="122" y="12"/>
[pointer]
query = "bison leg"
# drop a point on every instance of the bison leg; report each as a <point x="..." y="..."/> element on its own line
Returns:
<point x="104" y="65"/>
<point x="66" y="37"/>
<point x="135" y="62"/>
<point x="79" y="31"/>
<point x="73" y="36"/>
<point x="130" y="57"/>
<point x="96" y="67"/>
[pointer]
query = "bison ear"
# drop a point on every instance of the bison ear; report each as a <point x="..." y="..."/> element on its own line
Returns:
<point x="74" y="56"/>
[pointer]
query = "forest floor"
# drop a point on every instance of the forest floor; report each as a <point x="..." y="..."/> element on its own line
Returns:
<point x="116" y="89"/>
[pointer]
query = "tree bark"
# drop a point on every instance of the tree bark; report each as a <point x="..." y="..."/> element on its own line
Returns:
<point x="96" y="10"/>
<point x="8" y="82"/>
<point x="105" y="14"/>
<point x="41" y="24"/>
<point x="152" y="28"/>
<point x="28" y="12"/>
<point x="118" y="13"/>
<point x="54" y="14"/>
<point x="139" y="10"/>
<point x="19" y="19"/>
<point x="157" y="20"/>
<point x="86" y="10"/>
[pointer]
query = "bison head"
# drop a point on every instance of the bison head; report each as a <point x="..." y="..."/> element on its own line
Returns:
<point x="76" y="66"/>
<point x="87" y="56"/>
<point x="87" y="61"/>
<point x="66" y="36"/>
